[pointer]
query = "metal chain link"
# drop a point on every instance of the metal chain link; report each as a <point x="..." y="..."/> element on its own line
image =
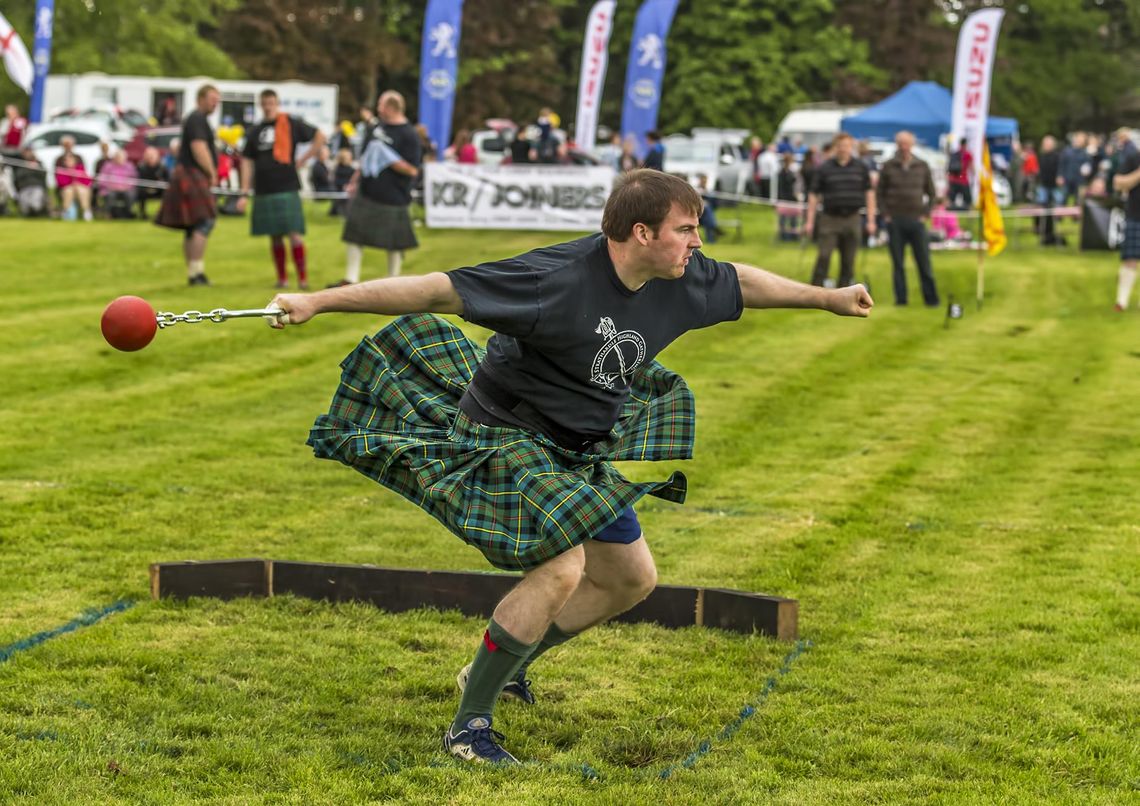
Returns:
<point x="166" y="318"/>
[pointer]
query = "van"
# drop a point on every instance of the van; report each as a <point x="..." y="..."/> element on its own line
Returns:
<point x="815" y="124"/>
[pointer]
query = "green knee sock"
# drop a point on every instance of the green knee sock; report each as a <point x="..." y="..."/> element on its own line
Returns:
<point x="554" y="637"/>
<point x="496" y="662"/>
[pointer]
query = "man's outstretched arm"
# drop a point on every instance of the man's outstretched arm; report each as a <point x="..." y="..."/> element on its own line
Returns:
<point x="762" y="289"/>
<point x="391" y="296"/>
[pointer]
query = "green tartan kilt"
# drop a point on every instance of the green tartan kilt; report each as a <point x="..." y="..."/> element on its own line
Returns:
<point x="516" y="496"/>
<point x="277" y="214"/>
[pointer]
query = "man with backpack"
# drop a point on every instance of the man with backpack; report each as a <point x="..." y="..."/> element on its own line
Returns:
<point x="958" y="177"/>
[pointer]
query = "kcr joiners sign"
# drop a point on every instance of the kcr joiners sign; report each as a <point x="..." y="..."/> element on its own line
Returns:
<point x="973" y="68"/>
<point x="539" y="197"/>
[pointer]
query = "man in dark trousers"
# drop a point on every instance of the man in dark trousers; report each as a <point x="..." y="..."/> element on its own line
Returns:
<point x="1050" y="188"/>
<point x="1127" y="181"/>
<point x="381" y="190"/>
<point x="188" y="203"/>
<point x="269" y="169"/>
<point x="905" y="193"/>
<point x="511" y="448"/>
<point x="843" y="184"/>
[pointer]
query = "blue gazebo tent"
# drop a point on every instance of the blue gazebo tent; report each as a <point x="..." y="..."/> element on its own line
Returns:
<point x="922" y="107"/>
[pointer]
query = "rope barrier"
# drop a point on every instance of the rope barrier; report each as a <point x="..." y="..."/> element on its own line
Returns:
<point x="791" y="207"/>
<point x="151" y="184"/>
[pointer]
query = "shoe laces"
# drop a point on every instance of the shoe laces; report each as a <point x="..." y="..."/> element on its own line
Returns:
<point x="486" y="741"/>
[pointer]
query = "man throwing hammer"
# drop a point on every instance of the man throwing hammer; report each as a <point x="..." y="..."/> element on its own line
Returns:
<point x="510" y="448"/>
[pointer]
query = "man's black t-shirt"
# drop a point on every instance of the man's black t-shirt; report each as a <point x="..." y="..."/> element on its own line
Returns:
<point x="843" y="187"/>
<point x="569" y="334"/>
<point x="1050" y="163"/>
<point x="391" y="187"/>
<point x="1129" y="162"/>
<point x="196" y="127"/>
<point x="269" y="175"/>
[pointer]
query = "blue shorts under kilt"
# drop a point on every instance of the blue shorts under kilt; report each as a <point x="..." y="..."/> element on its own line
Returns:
<point x="1130" y="246"/>
<point x="626" y="529"/>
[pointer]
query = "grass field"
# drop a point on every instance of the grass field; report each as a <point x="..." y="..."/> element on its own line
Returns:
<point x="953" y="508"/>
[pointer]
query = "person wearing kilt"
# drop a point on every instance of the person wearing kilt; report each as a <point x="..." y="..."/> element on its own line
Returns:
<point x="380" y="192"/>
<point x="1127" y="181"/>
<point x="511" y="447"/>
<point x="188" y="202"/>
<point x="269" y="167"/>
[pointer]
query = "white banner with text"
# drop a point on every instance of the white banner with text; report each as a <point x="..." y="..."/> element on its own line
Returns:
<point x="530" y="197"/>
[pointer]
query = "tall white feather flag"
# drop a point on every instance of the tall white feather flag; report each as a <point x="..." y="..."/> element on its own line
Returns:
<point x="595" y="57"/>
<point x="973" y="69"/>
<point x="16" y="58"/>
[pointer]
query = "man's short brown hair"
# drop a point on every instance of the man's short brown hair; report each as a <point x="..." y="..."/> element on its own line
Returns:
<point x="646" y="196"/>
<point x="841" y="136"/>
<point x="267" y="94"/>
<point x="206" y="89"/>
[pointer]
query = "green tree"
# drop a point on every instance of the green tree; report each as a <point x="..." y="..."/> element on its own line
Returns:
<point x="1068" y="64"/>
<point x="356" y="45"/>
<point x="733" y="63"/>
<point x="127" y="37"/>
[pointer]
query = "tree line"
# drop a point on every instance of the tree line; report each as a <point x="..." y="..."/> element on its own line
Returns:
<point x="1061" y="64"/>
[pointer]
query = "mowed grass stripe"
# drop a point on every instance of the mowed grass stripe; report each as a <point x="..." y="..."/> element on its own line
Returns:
<point x="981" y="653"/>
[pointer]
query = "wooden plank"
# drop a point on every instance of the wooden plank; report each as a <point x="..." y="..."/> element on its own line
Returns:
<point x="471" y="593"/>
<point x="222" y="579"/>
<point x="394" y="589"/>
<point x="670" y="606"/>
<point x="744" y="612"/>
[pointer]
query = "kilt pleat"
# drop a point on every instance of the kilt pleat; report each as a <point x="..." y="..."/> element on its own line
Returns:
<point x="277" y="214"/>
<point x="517" y="496"/>
<point x="380" y="226"/>
<point x="187" y="200"/>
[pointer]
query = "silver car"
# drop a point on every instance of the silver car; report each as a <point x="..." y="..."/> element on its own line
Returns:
<point x="724" y="163"/>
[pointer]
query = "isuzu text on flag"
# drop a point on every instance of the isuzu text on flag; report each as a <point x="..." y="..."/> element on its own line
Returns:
<point x="973" y="68"/>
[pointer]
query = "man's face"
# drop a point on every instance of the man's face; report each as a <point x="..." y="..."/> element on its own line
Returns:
<point x="210" y="102"/>
<point x="906" y="144"/>
<point x="269" y="107"/>
<point x="11" y="111"/>
<point x="678" y="236"/>
<point x="843" y="149"/>
<point x="67" y="143"/>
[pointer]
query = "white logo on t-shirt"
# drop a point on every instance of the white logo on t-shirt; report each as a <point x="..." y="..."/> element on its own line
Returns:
<point x="621" y="354"/>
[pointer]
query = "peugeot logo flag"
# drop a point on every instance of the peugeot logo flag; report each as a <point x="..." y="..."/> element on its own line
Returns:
<point x="646" y="68"/>
<point x="439" y="62"/>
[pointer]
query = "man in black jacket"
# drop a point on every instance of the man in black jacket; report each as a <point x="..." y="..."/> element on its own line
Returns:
<point x="1050" y="187"/>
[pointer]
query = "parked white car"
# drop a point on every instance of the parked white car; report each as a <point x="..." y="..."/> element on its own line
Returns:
<point x="44" y="138"/>
<point x="122" y="122"/>
<point x="723" y="162"/>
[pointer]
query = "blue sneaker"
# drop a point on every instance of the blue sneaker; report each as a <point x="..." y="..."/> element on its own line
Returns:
<point x="517" y="689"/>
<point x="477" y="743"/>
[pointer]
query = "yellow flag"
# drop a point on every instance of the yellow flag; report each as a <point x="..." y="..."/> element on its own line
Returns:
<point x="993" y="228"/>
